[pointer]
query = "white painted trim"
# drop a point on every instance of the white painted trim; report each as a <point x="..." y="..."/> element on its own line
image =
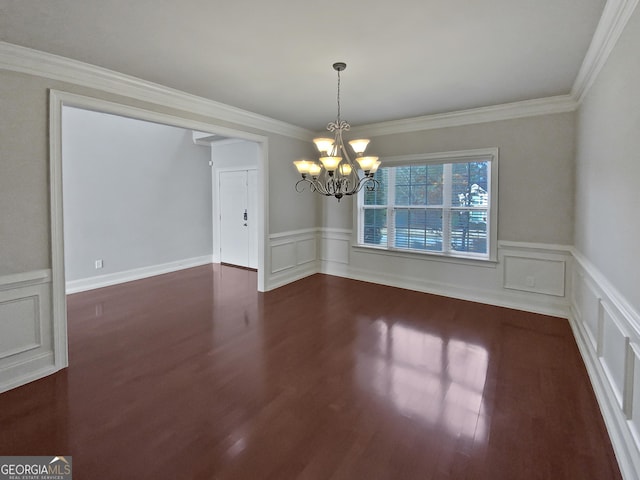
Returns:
<point x="31" y="360"/>
<point x="295" y="265"/>
<point x="29" y="371"/>
<point x="284" y="277"/>
<point x="295" y="233"/>
<point x="614" y="18"/>
<point x="536" y="302"/>
<point x="58" y="296"/>
<point x="26" y="279"/>
<point x="494" y="113"/>
<point x="518" y="301"/>
<point x="490" y="154"/>
<point x="339" y="233"/>
<point x="33" y="62"/>
<point x="442" y="157"/>
<point x="614" y="405"/>
<point x="105" y="106"/>
<point x="621" y="436"/>
<point x="101" y="281"/>
<point x="426" y="255"/>
<point x="58" y="99"/>
<point x="610" y="292"/>
<point x="541" y="247"/>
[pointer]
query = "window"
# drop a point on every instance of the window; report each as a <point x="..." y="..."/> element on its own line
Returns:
<point x="437" y="203"/>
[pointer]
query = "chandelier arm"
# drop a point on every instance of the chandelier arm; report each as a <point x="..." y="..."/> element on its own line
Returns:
<point x="300" y="189"/>
<point x="319" y="187"/>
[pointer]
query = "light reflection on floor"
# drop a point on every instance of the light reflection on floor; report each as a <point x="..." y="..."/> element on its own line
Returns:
<point x="434" y="380"/>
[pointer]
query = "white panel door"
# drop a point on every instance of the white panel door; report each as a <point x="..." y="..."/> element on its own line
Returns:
<point x="238" y="218"/>
<point x="234" y="232"/>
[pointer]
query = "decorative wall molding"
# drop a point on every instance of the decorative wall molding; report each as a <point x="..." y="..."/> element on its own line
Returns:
<point x="109" y="279"/>
<point x="604" y="326"/>
<point x="294" y="255"/>
<point x="614" y="18"/>
<point x="26" y="331"/>
<point x="335" y="245"/>
<point x="26" y="279"/>
<point x="449" y="276"/>
<point x="33" y="62"/>
<point x="493" y="113"/>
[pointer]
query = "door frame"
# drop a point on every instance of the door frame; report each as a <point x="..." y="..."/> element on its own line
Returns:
<point x="217" y="255"/>
<point x="59" y="99"/>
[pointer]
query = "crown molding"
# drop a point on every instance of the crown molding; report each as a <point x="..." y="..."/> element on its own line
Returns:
<point x="614" y="18"/>
<point x="34" y="62"/>
<point x="494" y="113"/>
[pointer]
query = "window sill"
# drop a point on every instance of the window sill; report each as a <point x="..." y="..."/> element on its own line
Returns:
<point x="430" y="256"/>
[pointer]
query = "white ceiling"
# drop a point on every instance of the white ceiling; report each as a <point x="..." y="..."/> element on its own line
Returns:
<point x="405" y="58"/>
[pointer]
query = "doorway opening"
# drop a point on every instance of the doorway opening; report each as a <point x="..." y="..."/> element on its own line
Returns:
<point x="58" y="100"/>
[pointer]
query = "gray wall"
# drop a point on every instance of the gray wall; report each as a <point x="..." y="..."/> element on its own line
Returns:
<point x="607" y="214"/>
<point x="136" y="194"/>
<point x="536" y="172"/>
<point x="24" y="170"/>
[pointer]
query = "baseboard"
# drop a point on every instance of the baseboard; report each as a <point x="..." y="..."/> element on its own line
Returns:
<point x="91" y="283"/>
<point x="27" y="371"/>
<point x="519" y="301"/>
<point x="291" y="275"/>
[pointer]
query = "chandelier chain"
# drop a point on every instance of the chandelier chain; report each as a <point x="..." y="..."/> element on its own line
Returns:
<point x="338" y="97"/>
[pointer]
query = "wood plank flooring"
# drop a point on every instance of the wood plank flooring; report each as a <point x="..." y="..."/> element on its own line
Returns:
<point x="194" y="375"/>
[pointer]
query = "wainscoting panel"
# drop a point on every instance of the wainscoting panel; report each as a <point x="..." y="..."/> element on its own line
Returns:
<point x="606" y="330"/>
<point x="26" y="333"/>
<point x="615" y="344"/>
<point x="19" y="323"/>
<point x="294" y="255"/>
<point x="634" y="413"/>
<point x="535" y="274"/>
<point x="283" y="257"/>
<point x="335" y="247"/>
<point x="468" y="279"/>
<point x="589" y="308"/>
<point x="307" y="251"/>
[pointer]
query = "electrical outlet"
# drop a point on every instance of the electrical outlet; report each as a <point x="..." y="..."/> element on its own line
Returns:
<point x="99" y="264"/>
<point x="530" y="280"/>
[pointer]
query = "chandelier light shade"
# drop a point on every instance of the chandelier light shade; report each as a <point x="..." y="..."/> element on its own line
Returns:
<point x="336" y="174"/>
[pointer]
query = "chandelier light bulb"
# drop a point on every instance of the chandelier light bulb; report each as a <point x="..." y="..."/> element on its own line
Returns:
<point x="330" y="163"/>
<point x="366" y="163"/>
<point x="360" y="145"/>
<point x="324" y="145"/>
<point x="345" y="169"/>
<point x="314" y="170"/>
<point x="303" y="166"/>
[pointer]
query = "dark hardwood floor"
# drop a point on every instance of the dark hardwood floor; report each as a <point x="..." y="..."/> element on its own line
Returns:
<point x="194" y="375"/>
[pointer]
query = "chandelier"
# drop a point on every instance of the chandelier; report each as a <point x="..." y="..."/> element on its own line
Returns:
<point x="336" y="175"/>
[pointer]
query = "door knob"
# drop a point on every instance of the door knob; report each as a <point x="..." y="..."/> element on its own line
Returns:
<point x="245" y="215"/>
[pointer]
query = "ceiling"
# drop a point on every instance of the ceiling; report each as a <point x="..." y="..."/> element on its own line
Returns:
<point x="404" y="58"/>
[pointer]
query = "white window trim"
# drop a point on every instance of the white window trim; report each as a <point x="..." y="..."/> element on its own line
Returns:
<point x="459" y="156"/>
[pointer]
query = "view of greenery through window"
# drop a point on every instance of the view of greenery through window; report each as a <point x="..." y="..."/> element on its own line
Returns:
<point x="433" y="207"/>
